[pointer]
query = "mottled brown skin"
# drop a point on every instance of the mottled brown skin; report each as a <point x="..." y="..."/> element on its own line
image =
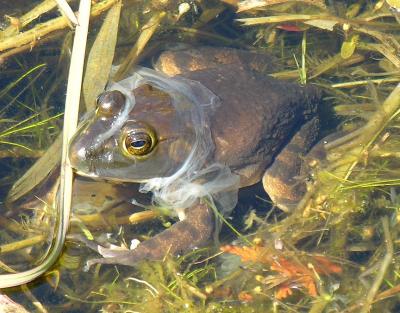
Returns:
<point x="263" y="126"/>
<point x="261" y="130"/>
<point x="183" y="62"/>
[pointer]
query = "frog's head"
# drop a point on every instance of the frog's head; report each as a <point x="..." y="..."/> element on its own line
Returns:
<point x="154" y="129"/>
<point x="133" y="135"/>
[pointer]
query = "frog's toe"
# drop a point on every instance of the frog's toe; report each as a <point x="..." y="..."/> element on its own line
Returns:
<point x="129" y="258"/>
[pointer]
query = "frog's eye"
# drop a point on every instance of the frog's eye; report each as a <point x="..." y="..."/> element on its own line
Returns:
<point x="110" y="103"/>
<point x="139" y="142"/>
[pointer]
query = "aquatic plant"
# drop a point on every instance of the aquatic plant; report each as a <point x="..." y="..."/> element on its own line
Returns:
<point x="351" y="210"/>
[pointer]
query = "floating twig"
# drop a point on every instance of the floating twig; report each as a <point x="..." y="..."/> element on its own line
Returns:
<point x="147" y="32"/>
<point x="35" y="34"/>
<point x="387" y="259"/>
<point x="66" y="9"/>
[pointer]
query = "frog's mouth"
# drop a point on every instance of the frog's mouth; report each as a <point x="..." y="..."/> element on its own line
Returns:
<point x="97" y="177"/>
<point x="98" y="167"/>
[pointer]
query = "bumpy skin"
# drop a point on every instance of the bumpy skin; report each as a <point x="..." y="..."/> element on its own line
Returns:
<point x="183" y="62"/>
<point x="259" y="115"/>
<point x="256" y="123"/>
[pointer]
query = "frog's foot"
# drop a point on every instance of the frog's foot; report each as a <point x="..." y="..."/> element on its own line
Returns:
<point x="281" y="180"/>
<point x="194" y="231"/>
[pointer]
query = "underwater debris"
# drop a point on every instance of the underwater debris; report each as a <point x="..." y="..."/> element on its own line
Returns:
<point x="8" y="305"/>
<point x="246" y="5"/>
<point x="291" y="273"/>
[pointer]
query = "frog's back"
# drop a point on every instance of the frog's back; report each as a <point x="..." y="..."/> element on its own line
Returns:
<point x="258" y="114"/>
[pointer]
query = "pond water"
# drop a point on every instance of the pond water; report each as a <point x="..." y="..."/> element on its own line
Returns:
<point x="259" y="171"/>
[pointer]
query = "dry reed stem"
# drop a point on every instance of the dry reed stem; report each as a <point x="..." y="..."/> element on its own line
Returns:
<point x="18" y="245"/>
<point x="147" y="32"/>
<point x="387" y="259"/>
<point x="70" y="121"/>
<point x="41" y="30"/>
<point x="28" y="17"/>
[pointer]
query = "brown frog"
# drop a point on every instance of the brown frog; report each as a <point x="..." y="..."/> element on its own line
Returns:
<point x="213" y="125"/>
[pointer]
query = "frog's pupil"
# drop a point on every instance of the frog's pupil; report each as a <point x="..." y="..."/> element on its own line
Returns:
<point x="138" y="143"/>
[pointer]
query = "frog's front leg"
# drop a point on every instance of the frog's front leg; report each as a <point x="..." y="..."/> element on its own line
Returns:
<point x="280" y="180"/>
<point x="194" y="231"/>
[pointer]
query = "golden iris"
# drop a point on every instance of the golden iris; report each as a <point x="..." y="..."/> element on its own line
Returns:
<point x="139" y="142"/>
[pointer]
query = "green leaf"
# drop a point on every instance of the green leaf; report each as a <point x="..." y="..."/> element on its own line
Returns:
<point x="349" y="46"/>
<point x="100" y="57"/>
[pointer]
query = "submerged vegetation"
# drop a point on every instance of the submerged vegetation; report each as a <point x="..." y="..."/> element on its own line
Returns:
<point x="337" y="252"/>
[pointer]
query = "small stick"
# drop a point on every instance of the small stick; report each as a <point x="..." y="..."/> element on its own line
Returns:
<point x="147" y="32"/>
<point x="28" y="17"/>
<point x="41" y="30"/>
<point x="95" y="220"/>
<point x="17" y="152"/>
<point x="39" y="306"/>
<point x="387" y="259"/>
<point x="366" y="82"/>
<point x="66" y="9"/>
<point x="9" y="247"/>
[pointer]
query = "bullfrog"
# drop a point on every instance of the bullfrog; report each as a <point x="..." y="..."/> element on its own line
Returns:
<point x="206" y="122"/>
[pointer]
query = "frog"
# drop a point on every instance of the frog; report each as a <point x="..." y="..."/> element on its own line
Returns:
<point x="257" y="128"/>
